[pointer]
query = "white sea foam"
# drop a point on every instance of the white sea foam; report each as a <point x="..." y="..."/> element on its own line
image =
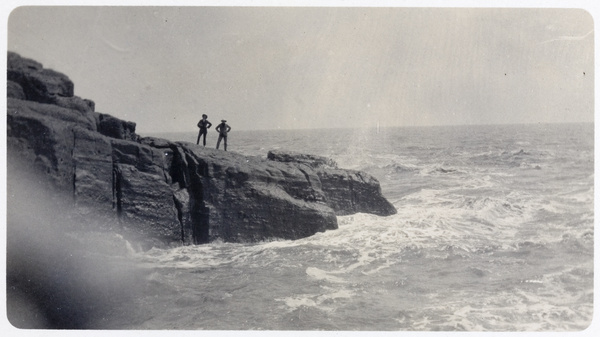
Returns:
<point x="319" y="274"/>
<point x="483" y="240"/>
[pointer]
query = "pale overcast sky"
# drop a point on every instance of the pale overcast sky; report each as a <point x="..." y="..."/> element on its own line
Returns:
<point x="307" y="67"/>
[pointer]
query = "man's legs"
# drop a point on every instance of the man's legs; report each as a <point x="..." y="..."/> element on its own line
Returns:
<point x="219" y="141"/>
<point x="225" y="143"/>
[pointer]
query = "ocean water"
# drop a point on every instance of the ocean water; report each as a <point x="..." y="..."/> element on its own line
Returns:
<point x="494" y="232"/>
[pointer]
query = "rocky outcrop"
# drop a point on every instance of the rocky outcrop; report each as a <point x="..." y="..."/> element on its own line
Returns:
<point x="159" y="192"/>
<point x="45" y="86"/>
<point x="116" y="128"/>
<point x="39" y="84"/>
<point x="346" y="191"/>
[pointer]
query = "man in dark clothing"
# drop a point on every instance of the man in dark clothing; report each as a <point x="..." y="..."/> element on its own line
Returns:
<point x="204" y="125"/>
<point x="223" y="129"/>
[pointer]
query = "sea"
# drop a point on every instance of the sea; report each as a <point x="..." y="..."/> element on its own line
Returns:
<point x="494" y="232"/>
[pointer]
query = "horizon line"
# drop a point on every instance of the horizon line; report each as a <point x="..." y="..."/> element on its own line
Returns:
<point x="375" y="127"/>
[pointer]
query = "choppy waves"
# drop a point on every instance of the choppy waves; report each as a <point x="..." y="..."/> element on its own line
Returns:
<point x="491" y="234"/>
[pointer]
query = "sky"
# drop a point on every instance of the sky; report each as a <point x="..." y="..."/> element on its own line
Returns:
<point x="317" y="67"/>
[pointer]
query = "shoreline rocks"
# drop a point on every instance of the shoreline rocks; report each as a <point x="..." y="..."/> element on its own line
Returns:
<point x="163" y="193"/>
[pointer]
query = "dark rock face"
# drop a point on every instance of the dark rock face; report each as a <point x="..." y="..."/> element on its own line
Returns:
<point x="116" y="128"/>
<point x="39" y="84"/>
<point x="42" y="134"/>
<point x="346" y="191"/>
<point x="159" y="192"/>
<point x="144" y="199"/>
<point x="14" y="90"/>
<point x="92" y="170"/>
<point x="45" y="86"/>
<point x="238" y="198"/>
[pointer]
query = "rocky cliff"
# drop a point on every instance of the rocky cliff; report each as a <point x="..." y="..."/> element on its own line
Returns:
<point x="160" y="192"/>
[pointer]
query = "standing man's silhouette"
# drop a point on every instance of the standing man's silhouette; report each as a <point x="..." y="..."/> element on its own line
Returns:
<point x="223" y="129"/>
<point x="204" y="125"/>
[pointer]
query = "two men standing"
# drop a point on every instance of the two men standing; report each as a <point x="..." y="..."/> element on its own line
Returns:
<point x="222" y="129"/>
